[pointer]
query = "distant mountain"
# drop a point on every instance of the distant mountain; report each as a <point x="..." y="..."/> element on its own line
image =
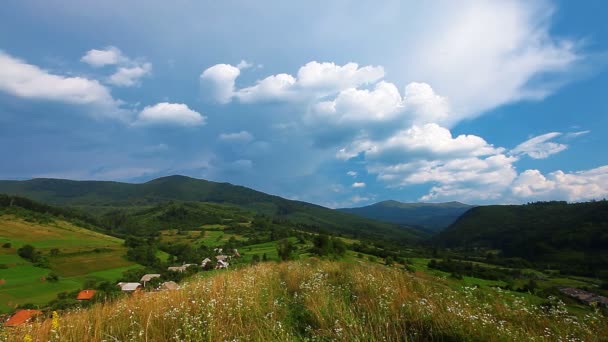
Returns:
<point x="102" y="196"/>
<point x="573" y="237"/>
<point x="431" y="216"/>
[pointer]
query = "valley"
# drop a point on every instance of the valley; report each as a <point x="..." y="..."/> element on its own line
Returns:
<point x="80" y="245"/>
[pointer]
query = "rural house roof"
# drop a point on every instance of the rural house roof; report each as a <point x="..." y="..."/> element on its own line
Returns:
<point x="85" y="294"/>
<point x="148" y="277"/>
<point x="221" y="257"/>
<point x="128" y="287"/>
<point x="21" y="317"/>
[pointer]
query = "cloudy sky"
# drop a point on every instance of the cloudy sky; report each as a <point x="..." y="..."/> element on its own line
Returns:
<point x="340" y="103"/>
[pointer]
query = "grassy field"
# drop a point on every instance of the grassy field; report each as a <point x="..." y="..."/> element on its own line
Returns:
<point x="313" y="300"/>
<point x="83" y="254"/>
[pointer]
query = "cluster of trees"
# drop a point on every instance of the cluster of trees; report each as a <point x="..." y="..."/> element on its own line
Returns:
<point x="324" y="245"/>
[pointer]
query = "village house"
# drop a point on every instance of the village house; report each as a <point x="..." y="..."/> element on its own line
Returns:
<point x="218" y="250"/>
<point x="147" y="277"/>
<point x="22" y="316"/>
<point x="205" y="262"/>
<point x="222" y="264"/>
<point x="584" y="296"/>
<point x="85" y="294"/>
<point x="221" y="257"/>
<point x="180" y="269"/>
<point x="236" y="253"/>
<point x="129" y="287"/>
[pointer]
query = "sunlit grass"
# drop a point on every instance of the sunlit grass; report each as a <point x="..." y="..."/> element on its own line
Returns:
<point x="320" y="300"/>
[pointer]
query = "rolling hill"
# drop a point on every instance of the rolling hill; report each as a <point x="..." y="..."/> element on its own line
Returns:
<point x="572" y="237"/>
<point x="431" y="216"/>
<point x="98" y="197"/>
<point x="74" y="253"/>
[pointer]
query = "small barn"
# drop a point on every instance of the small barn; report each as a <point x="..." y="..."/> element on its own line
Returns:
<point x="22" y="316"/>
<point x="147" y="277"/>
<point x="85" y="294"/>
<point x="129" y="287"/>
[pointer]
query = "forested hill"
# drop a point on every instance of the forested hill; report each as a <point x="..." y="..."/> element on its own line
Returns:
<point x="100" y="196"/>
<point x="569" y="234"/>
<point x="431" y="216"/>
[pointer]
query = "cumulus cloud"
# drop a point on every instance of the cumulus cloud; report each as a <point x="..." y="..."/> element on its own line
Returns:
<point x="429" y="141"/>
<point x="313" y="80"/>
<point x="29" y="81"/>
<point x="573" y="186"/>
<point x="130" y="76"/>
<point x="219" y="80"/>
<point x="170" y="113"/>
<point x="352" y="173"/>
<point x="540" y="147"/>
<point x="128" y="72"/>
<point x="358" y="185"/>
<point x="108" y="56"/>
<point x="498" y="49"/>
<point x="240" y="137"/>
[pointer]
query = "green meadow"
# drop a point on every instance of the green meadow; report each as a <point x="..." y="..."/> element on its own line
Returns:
<point x="79" y="255"/>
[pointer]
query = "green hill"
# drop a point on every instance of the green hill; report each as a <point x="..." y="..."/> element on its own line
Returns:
<point x="62" y="246"/>
<point x="431" y="216"/>
<point x="572" y="237"/>
<point x="100" y="197"/>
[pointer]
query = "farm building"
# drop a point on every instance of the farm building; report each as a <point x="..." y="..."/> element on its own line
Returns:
<point x="205" y="262"/>
<point x="147" y="277"/>
<point x="129" y="287"/>
<point x="85" y="294"/>
<point x="22" y="316"/>
<point x="180" y="269"/>
<point x="222" y="264"/>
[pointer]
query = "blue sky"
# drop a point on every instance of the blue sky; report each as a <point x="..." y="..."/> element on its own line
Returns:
<point x="340" y="103"/>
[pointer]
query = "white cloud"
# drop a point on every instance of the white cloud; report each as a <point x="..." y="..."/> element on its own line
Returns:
<point x="558" y="185"/>
<point x="576" y="134"/>
<point x="128" y="72"/>
<point x="486" y="54"/>
<point x="243" y="64"/>
<point x="330" y="78"/>
<point x="170" y="113"/>
<point x="275" y="87"/>
<point x="109" y="56"/>
<point x="358" y="185"/>
<point x="429" y="141"/>
<point x="540" y="147"/>
<point x="352" y="173"/>
<point x="130" y="76"/>
<point x="29" y="81"/>
<point x="314" y="80"/>
<point x="219" y="80"/>
<point x="240" y="137"/>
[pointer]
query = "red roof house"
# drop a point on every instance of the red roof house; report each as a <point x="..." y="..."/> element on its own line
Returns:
<point x="85" y="294"/>
<point x="21" y="317"/>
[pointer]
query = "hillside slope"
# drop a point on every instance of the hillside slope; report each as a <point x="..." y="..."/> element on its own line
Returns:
<point x="432" y="216"/>
<point x="313" y="300"/>
<point x="572" y="236"/>
<point x="64" y="248"/>
<point x="100" y="196"/>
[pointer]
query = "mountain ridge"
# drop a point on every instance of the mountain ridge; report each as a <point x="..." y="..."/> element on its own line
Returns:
<point x="96" y="196"/>
<point x="430" y="216"/>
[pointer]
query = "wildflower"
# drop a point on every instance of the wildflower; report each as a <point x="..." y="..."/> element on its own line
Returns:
<point x="55" y="321"/>
<point x="27" y="338"/>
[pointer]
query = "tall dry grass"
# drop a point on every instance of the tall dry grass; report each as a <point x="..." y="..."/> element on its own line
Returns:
<point x="312" y="300"/>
